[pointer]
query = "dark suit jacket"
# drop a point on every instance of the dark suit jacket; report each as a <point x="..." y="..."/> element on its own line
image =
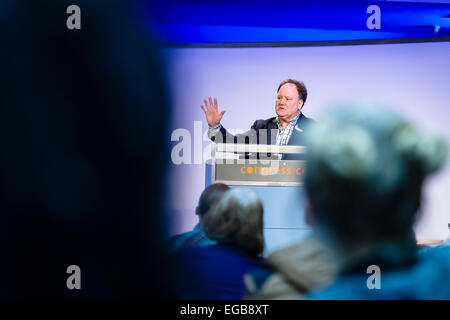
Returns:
<point x="265" y="132"/>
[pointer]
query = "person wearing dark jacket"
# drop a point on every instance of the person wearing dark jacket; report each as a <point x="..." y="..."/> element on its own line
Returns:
<point x="287" y="128"/>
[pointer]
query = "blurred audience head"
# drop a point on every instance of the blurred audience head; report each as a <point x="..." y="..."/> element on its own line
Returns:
<point x="237" y="220"/>
<point x="366" y="169"/>
<point x="209" y="197"/>
<point x="83" y="153"/>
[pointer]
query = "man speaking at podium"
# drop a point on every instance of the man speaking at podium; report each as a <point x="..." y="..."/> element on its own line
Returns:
<point x="284" y="129"/>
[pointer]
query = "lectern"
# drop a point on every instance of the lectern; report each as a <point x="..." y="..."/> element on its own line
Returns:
<point x="278" y="182"/>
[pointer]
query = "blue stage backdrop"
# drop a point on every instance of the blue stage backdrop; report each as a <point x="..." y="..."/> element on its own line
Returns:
<point x="412" y="78"/>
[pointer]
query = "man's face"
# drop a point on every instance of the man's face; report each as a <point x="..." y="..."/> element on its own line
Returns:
<point x="288" y="103"/>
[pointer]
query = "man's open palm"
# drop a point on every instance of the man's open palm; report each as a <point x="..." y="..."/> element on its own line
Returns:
<point x="211" y="111"/>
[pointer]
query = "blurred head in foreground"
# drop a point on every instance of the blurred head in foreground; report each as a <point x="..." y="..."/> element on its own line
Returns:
<point x="217" y="271"/>
<point x="83" y="154"/>
<point x="366" y="169"/>
<point x="237" y="220"/>
<point x="209" y="197"/>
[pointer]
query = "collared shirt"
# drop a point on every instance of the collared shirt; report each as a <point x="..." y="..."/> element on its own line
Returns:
<point x="196" y="237"/>
<point x="285" y="134"/>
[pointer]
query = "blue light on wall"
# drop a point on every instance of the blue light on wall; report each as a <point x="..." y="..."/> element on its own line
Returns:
<point x="248" y="21"/>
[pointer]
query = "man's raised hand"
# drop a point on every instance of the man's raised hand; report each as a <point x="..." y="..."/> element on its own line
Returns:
<point x="212" y="114"/>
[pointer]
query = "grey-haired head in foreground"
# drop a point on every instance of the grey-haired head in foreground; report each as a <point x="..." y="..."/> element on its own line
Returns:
<point x="366" y="168"/>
